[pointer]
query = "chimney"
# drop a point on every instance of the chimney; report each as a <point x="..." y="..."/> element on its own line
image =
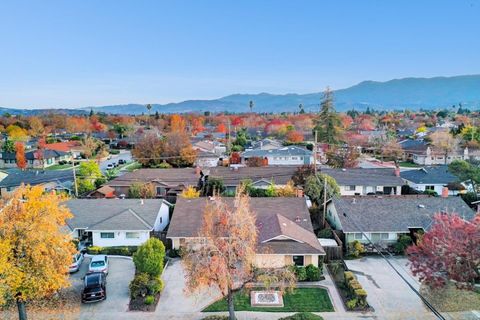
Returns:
<point x="445" y="192"/>
<point x="397" y="171"/>
<point x="299" y="192"/>
<point x="197" y="170"/>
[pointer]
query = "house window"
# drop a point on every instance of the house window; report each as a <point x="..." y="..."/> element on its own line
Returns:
<point x="107" y="235"/>
<point x="358" y="236"/>
<point x="132" y="235"/>
<point x="430" y="188"/>
<point x="298" y="260"/>
<point x="161" y="220"/>
<point x="384" y="236"/>
<point x="301" y="158"/>
<point x="161" y="191"/>
<point x="294" y="158"/>
<point x="350" y="188"/>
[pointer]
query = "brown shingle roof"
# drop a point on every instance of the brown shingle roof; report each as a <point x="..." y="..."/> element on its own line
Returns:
<point x="287" y="217"/>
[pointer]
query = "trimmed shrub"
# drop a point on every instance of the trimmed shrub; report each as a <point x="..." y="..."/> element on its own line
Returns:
<point x="149" y="300"/>
<point x="356" y="248"/>
<point x="348" y="276"/>
<point x="351" y="304"/>
<point x="301" y="273"/>
<point x="313" y="273"/>
<point x="402" y="243"/>
<point x="139" y="285"/>
<point x="116" y="251"/>
<point x="354" y="285"/>
<point x="302" y="316"/>
<point x="149" y="257"/>
<point x="155" y="285"/>
<point x="326" y="233"/>
<point x="215" y="318"/>
<point x="361" y="295"/>
<point x="94" y="250"/>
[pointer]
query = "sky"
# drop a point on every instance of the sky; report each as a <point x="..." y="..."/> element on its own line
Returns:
<point x="91" y="53"/>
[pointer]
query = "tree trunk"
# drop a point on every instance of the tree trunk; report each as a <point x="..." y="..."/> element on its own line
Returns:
<point x="22" y="311"/>
<point x="231" y="308"/>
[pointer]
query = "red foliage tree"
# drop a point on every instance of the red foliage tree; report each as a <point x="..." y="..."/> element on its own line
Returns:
<point x="294" y="136"/>
<point x="235" y="158"/>
<point x="450" y="250"/>
<point x="221" y="128"/>
<point x="20" y="155"/>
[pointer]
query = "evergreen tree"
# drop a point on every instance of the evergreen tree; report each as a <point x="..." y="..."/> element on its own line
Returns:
<point x="328" y="123"/>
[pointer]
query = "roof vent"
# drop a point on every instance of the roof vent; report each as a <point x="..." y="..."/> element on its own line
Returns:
<point x="421" y="206"/>
<point x="284" y="224"/>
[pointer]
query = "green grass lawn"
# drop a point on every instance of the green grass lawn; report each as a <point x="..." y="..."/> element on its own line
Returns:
<point x="301" y="300"/>
<point x="408" y="164"/>
<point x="59" y="167"/>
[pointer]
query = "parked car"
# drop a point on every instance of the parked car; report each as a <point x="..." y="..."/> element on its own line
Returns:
<point x="121" y="161"/>
<point x="110" y="166"/>
<point x="94" y="287"/>
<point x="83" y="245"/>
<point x="76" y="263"/>
<point x="99" y="263"/>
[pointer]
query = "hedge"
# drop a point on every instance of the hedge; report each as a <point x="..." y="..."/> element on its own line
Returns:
<point x="302" y="316"/>
<point x="308" y="273"/>
<point x="116" y="251"/>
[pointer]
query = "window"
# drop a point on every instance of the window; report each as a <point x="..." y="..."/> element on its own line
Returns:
<point x="350" y="188"/>
<point x="132" y="235"/>
<point x="294" y="158"/>
<point x="161" y="191"/>
<point x="107" y="235"/>
<point x="161" y="219"/>
<point x="358" y="236"/>
<point x="430" y="188"/>
<point x="384" y="236"/>
<point x="298" y="260"/>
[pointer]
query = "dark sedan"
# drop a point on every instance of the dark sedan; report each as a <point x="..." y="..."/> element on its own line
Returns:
<point x="94" y="287"/>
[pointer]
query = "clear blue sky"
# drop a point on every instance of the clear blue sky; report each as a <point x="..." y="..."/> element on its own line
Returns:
<point x="84" y="53"/>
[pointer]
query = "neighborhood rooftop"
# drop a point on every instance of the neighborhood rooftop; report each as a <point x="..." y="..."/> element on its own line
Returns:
<point x="395" y="213"/>
<point x="364" y="176"/>
<point x="429" y="175"/>
<point x="16" y="177"/>
<point x="113" y="214"/>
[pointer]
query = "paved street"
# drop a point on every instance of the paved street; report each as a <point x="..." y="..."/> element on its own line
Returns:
<point x="124" y="155"/>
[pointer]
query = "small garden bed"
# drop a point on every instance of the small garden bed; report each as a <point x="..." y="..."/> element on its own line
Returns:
<point x="300" y="300"/>
<point x="353" y="295"/>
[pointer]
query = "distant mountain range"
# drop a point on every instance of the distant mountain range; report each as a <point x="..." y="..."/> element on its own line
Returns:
<point x="411" y="93"/>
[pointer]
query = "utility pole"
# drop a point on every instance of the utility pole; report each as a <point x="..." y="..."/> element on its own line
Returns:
<point x="324" y="201"/>
<point x="229" y="136"/>
<point x="74" y="178"/>
<point x="315" y="153"/>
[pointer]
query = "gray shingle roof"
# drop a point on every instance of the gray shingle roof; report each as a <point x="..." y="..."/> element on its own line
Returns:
<point x="275" y="217"/>
<point x="35" y="177"/>
<point x="430" y="175"/>
<point x="364" y="176"/>
<point x="395" y="214"/>
<point x="113" y="214"/>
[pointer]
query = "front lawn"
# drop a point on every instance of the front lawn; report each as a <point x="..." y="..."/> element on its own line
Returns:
<point x="408" y="164"/>
<point x="301" y="300"/>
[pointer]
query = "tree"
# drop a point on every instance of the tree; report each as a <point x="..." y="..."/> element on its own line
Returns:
<point x="36" y="126"/>
<point x="392" y="150"/>
<point x="226" y="256"/>
<point x="250" y="105"/>
<point x="178" y="150"/>
<point x="8" y="146"/>
<point x="149" y="257"/>
<point x="213" y="186"/>
<point x="328" y="123"/>
<point x="256" y="162"/>
<point x="294" y="136"/>
<point x="20" y="155"/>
<point x="88" y="173"/>
<point x="190" y="192"/>
<point x="346" y="157"/>
<point x="121" y="129"/>
<point x="444" y="141"/>
<point x="302" y="173"/>
<point x="465" y="171"/>
<point x="16" y="133"/>
<point x="450" y="250"/>
<point x="35" y="251"/>
<point x="314" y="187"/>
<point x="148" y="151"/>
<point x="177" y="123"/>
<point x="142" y="190"/>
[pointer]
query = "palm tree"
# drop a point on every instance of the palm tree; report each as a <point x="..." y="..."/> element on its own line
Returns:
<point x="250" y="105"/>
<point x="149" y="107"/>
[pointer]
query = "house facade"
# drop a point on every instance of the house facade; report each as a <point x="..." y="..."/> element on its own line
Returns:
<point x="438" y="157"/>
<point x="285" y="156"/>
<point x="117" y="222"/>
<point x="367" y="181"/>
<point x="433" y="178"/>
<point x="382" y="219"/>
<point x="35" y="159"/>
<point x="285" y="232"/>
<point x="58" y="180"/>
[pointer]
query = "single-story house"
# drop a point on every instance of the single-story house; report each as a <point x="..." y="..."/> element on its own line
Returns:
<point x="367" y="181"/>
<point x="215" y="147"/>
<point x="34" y="158"/>
<point x="285" y="232"/>
<point x="117" y="222"/>
<point x="285" y="156"/>
<point x="206" y="159"/>
<point x="59" y="180"/>
<point x="266" y="144"/>
<point x="74" y="148"/>
<point x="170" y="182"/>
<point x="384" y="218"/>
<point x="433" y="178"/>
<point x="103" y="192"/>
<point x="424" y="154"/>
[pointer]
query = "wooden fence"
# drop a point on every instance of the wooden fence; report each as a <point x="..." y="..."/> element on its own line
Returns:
<point x="333" y="252"/>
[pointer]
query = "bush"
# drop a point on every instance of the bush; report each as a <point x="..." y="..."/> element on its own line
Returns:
<point x="149" y="300"/>
<point x="301" y="273"/>
<point x="114" y="151"/>
<point x="402" y="243"/>
<point x="361" y="295"/>
<point x="313" y="273"/>
<point x="355" y="248"/>
<point x="351" y="304"/>
<point x="94" y="250"/>
<point x="117" y="251"/>
<point x="354" y="285"/>
<point x="215" y="318"/>
<point x="348" y="276"/>
<point x="302" y="316"/>
<point x="139" y="285"/>
<point x="325" y="233"/>
<point x="149" y="257"/>
<point x="155" y="285"/>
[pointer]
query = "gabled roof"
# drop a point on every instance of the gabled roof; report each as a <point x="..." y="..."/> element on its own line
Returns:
<point x="364" y="176"/>
<point x="430" y="175"/>
<point x="287" y="217"/>
<point x="47" y="154"/>
<point x="34" y="177"/>
<point x="395" y="213"/>
<point x="113" y="214"/>
<point x="64" y="146"/>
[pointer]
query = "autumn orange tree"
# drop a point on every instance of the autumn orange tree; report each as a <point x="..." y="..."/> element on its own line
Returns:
<point x="20" y="155"/>
<point x="225" y="259"/>
<point x="35" y="252"/>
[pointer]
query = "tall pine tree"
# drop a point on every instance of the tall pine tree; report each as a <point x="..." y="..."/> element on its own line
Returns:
<point x="328" y="123"/>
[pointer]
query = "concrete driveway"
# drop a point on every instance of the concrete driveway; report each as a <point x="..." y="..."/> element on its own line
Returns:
<point x="387" y="293"/>
<point x="121" y="272"/>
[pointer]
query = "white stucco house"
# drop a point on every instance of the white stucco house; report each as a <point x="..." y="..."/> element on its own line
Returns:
<point x="433" y="178"/>
<point x="117" y="222"/>
<point x="285" y="156"/>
